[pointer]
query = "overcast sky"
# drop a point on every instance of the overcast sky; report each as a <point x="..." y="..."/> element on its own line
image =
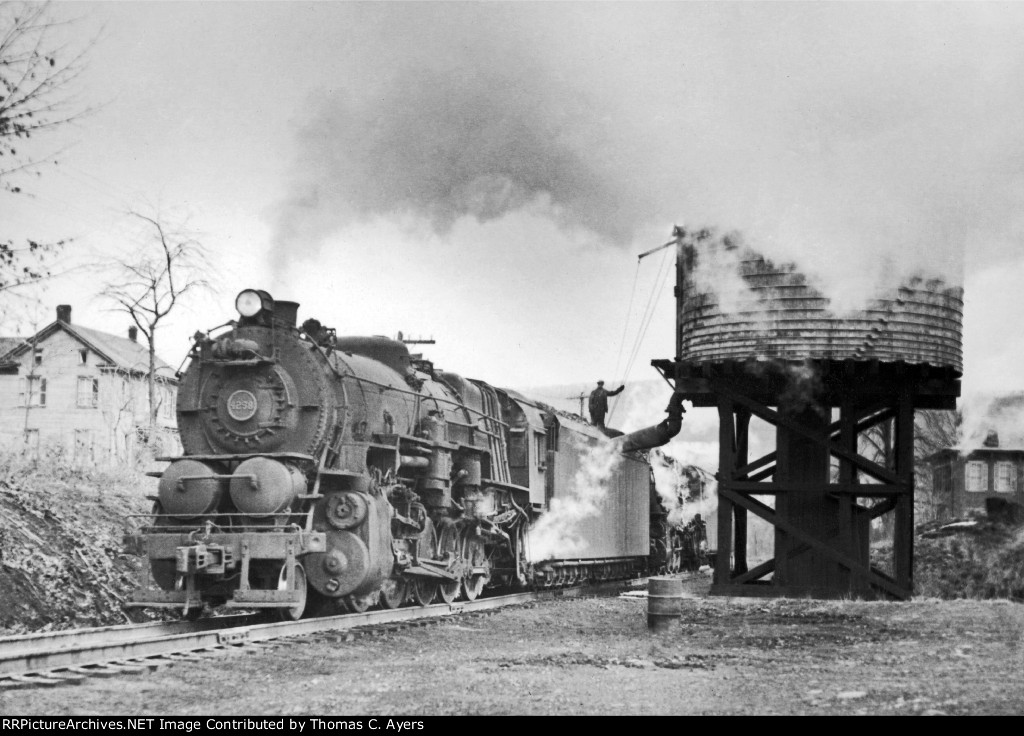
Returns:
<point x="487" y="173"/>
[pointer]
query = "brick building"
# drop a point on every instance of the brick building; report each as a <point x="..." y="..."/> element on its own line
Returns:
<point x="987" y="480"/>
<point x="84" y="390"/>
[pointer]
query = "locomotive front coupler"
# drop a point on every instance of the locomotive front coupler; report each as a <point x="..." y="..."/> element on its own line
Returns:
<point x="200" y="556"/>
<point x="208" y="559"/>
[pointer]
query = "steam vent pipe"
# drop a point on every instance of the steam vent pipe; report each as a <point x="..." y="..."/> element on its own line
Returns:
<point x="659" y="434"/>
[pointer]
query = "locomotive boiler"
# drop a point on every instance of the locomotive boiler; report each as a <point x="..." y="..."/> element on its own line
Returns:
<point x="322" y="473"/>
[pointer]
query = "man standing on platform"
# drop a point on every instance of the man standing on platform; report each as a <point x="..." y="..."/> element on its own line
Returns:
<point x="599" y="403"/>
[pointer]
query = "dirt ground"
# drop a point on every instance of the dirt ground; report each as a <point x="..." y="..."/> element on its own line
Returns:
<point x="739" y="656"/>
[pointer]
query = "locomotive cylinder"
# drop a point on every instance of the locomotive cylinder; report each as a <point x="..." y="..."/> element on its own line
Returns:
<point x="358" y="554"/>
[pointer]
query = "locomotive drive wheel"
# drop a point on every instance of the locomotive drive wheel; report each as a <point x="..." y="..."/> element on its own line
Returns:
<point x="393" y="592"/>
<point x="475" y="555"/>
<point x="448" y="591"/>
<point x="448" y="549"/>
<point x="294" y="612"/>
<point x="423" y="591"/>
<point x="472" y="587"/>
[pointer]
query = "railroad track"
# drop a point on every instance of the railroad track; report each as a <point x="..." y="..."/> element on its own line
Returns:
<point x="62" y="658"/>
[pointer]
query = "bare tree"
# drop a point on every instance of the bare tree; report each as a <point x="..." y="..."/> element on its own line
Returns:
<point x="934" y="430"/>
<point x="166" y="264"/>
<point x="37" y="73"/>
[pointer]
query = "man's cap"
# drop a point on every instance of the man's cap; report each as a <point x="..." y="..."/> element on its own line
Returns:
<point x="600" y="383"/>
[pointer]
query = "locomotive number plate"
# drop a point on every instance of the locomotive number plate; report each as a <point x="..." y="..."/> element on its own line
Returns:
<point x="241" y="405"/>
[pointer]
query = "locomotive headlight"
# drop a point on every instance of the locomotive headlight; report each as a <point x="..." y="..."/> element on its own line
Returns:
<point x="249" y="303"/>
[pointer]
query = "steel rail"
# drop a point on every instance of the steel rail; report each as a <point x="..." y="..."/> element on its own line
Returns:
<point x="13" y="646"/>
<point x="41" y="660"/>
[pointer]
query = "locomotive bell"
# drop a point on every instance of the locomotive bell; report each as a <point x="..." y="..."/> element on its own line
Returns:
<point x="261" y="486"/>
<point x="190" y="488"/>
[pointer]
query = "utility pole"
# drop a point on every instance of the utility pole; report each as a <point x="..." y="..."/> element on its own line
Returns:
<point x="581" y="398"/>
<point x="414" y="340"/>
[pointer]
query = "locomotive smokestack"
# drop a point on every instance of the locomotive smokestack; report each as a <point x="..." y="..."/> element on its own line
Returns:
<point x="659" y="434"/>
<point x="286" y="313"/>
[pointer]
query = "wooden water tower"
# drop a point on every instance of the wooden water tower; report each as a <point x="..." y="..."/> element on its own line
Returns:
<point x="754" y="339"/>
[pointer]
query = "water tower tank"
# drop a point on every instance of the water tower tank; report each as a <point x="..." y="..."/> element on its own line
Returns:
<point x="736" y="305"/>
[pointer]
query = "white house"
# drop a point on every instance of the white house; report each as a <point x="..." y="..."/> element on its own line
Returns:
<point x="83" y="389"/>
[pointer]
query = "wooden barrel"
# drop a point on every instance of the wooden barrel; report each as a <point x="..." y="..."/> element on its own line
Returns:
<point x="664" y="603"/>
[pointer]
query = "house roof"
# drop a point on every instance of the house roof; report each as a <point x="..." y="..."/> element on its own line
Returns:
<point x="7" y="344"/>
<point x="122" y="352"/>
<point x="116" y="351"/>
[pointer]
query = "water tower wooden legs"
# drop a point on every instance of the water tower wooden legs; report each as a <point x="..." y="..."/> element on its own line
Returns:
<point x="820" y="489"/>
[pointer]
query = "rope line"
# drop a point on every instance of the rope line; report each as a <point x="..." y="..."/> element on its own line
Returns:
<point x="629" y="313"/>
<point x="653" y="298"/>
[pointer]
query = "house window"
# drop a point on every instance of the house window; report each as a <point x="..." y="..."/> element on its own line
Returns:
<point x="1006" y="477"/>
<point x="83" y="356"/>
<point x="37" y="356"/>
<point x="167" y="403"/>
<point x="977" y="476"/>
<point x="33" y="391"/>
<point x="88" y="392"/>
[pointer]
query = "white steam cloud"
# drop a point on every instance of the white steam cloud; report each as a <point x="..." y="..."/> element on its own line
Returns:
<point x="671" y="482"/>
<point x="1003" y="415"/>
<point x="865" y="142"/>
<point x="558" y="533"/>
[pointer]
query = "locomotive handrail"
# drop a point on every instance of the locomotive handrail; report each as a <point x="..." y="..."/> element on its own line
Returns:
<point x="435" y="399"/>
<point x="210" y="476"/>
<point x="192" y="527"/>
<point x="216" y="458"/>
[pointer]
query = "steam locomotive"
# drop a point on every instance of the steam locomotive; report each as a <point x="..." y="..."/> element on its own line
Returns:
<point x="323" y="474"/>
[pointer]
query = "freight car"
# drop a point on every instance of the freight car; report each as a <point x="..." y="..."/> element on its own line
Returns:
<point x="323" y="473"/>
